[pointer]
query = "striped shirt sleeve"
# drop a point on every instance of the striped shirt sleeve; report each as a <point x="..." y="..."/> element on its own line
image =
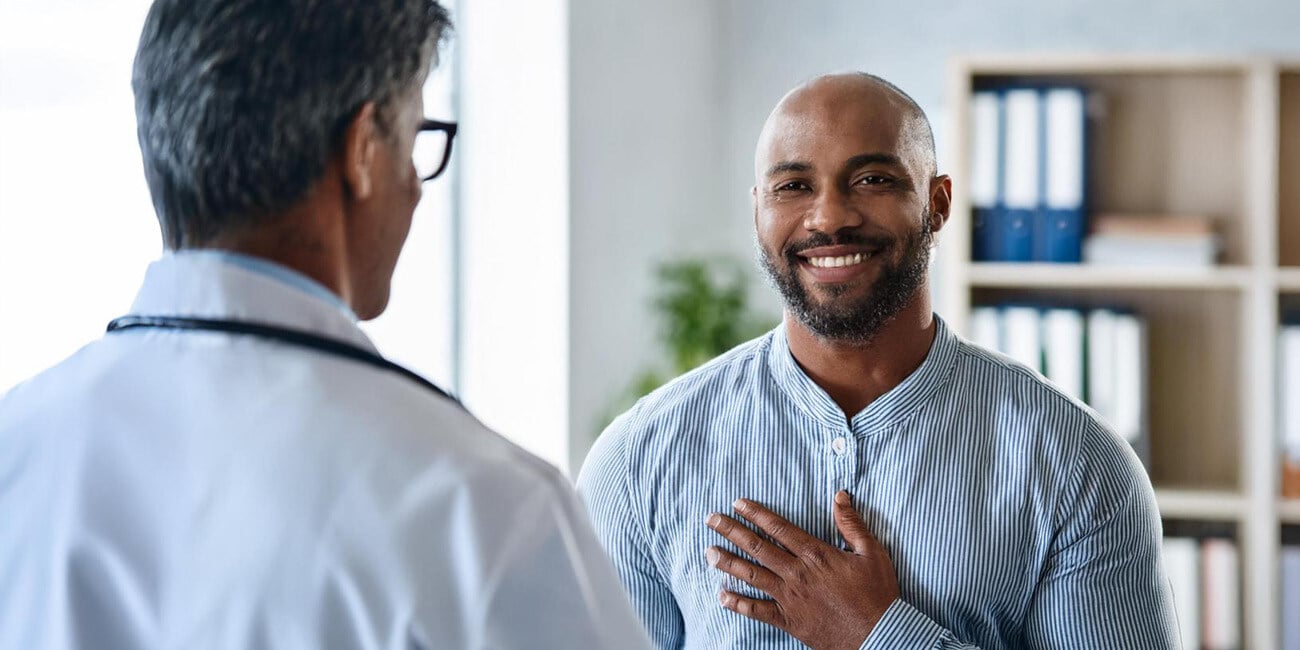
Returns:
<point x="1104" y="585"/>
<point x="603" y="486"/>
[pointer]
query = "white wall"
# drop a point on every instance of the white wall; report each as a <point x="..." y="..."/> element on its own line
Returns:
<point x="645" y="138"/>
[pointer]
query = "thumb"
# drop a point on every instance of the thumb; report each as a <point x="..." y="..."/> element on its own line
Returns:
<point x="851" y="525"/>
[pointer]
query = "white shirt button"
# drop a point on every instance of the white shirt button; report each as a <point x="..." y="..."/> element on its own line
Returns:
<point x="839" y="445"/>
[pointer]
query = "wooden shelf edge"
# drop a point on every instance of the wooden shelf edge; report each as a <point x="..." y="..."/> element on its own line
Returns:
<point x="1288" y="278"/>
<point x="1200" y="504"/>
<point x="1288" y="511"/>
<point x="994" y="63"/>
<point x="1065" y="276"/>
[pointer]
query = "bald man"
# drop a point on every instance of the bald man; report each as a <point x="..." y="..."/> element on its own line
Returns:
<point x="912" y="490"/>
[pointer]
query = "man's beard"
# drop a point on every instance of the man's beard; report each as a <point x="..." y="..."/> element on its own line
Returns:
<point x="853" y="321"/>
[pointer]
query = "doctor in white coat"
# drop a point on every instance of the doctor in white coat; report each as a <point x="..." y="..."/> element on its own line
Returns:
<point x="234" y="466"/>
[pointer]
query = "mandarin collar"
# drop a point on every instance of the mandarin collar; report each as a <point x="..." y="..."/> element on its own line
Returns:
<point x="895" y="405"/>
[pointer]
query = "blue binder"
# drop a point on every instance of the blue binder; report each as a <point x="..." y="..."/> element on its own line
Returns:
<point x="985" y="173"/>
<point x="1060" y="222"/>
<point x="1021" y="175"/>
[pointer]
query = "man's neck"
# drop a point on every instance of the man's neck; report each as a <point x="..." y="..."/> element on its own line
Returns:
<point x="855" y="375"/>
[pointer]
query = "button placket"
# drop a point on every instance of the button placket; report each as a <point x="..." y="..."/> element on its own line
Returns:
<point x="842" y="448"/>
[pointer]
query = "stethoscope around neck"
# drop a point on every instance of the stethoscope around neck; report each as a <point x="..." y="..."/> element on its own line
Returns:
<point x="284" y="335"/>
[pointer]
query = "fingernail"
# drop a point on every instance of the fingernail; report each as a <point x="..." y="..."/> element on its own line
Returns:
<point x="842" y="498"/>
<point x="713" y="520"/>
<point x="740" y="505"/>
<point x="713" y="555"/>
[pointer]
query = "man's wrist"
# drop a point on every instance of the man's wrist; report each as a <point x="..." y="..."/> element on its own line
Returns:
<point x="903" y="626"/>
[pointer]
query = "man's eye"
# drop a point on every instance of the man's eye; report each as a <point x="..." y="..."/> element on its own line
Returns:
<point x="791" y="186"/>
<point x="874" y="179"/>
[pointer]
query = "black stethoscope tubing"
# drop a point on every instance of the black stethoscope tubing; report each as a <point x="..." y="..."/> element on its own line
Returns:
<point x="274" y="333"/>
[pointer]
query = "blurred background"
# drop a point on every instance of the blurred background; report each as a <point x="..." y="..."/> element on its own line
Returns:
<point x="594" y="234"/>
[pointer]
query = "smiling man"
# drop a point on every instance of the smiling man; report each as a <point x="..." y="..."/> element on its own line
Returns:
<point x="915" y="491"/>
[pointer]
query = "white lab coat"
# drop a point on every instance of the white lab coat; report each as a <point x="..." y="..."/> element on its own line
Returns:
<point x="165" y="489"/>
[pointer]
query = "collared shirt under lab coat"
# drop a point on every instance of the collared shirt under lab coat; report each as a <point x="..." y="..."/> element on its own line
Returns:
<point x="165" y="489"/>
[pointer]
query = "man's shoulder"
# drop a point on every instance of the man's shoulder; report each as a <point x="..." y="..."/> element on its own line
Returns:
<point x="1013" y="389"/>
<point x="1005" y="379"/>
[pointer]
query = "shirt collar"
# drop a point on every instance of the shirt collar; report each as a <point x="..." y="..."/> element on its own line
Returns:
<point x="898" y="403"/>
<point x="278" y="272"/>
<point x="206" y="284"/>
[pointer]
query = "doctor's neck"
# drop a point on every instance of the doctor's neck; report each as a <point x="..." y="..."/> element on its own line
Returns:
<point x="309" y="238"/>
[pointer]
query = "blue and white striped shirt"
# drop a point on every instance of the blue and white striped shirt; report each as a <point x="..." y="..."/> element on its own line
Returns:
<point x="1014" y="517"/>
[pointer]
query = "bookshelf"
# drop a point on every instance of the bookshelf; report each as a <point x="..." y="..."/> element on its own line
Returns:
<point x="1175" y="135"/>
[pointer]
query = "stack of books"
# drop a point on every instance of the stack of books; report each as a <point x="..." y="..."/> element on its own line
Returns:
<point x="1028" y="164"/>
<point x="1097" y="356"/>
<point x="1288" y="359"/>
<point x="1204" y="574"/>
<point x="1152" y="240"/>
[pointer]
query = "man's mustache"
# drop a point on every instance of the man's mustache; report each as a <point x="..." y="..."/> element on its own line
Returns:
<point x="844" y="238"/>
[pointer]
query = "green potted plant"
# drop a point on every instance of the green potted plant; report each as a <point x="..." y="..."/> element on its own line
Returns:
<point x="702" y="311"/>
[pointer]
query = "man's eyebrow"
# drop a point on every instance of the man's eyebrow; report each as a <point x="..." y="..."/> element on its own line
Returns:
<point x="864" y="159"/>
<point x="788" y="166"/>
<point x="860" y="160"/>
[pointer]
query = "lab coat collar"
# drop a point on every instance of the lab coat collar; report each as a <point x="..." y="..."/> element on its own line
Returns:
<point x="210" y="286"/>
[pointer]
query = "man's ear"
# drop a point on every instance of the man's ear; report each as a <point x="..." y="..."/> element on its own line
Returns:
<point x="753" y="199"/>
<point x="940" y="202"/>
<point x="359" y="146"/>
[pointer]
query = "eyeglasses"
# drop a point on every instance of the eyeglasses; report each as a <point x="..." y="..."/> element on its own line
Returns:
<point x="433" y="148"/>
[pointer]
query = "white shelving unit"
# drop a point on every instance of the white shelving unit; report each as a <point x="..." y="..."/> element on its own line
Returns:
<point x="1216" y="136"/>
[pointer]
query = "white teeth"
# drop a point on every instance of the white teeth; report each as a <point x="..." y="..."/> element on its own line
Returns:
<point x="843" y="260"/>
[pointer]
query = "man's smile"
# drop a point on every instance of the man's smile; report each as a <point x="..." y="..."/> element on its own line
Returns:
<point x="837" y="264"/>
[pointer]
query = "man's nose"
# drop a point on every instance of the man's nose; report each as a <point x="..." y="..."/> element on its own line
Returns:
<point x="833" y="211"/>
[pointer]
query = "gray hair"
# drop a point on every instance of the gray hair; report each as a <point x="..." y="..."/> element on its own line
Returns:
<point x="240" y="104"/>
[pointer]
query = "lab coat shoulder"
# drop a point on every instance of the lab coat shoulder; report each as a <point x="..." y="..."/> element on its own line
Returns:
<point x="529" y="570"/>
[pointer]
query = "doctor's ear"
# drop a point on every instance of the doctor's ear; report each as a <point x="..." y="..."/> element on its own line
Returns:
<point x="358" y="152"/>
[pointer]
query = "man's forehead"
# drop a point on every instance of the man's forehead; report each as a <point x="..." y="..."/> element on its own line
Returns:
<point x="829" y="133"/>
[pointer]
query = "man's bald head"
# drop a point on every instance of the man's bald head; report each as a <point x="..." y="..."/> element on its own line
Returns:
<point x="846" y="205"/>
<point x="827" y="98"/>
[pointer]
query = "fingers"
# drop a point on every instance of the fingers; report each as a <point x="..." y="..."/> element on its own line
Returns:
<point x="738" y="567"/>
<point x="851" y="525"/>
<point x="763" y="611"/>
<point x="787" y="534"/>
<point x="768" y="554"/>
